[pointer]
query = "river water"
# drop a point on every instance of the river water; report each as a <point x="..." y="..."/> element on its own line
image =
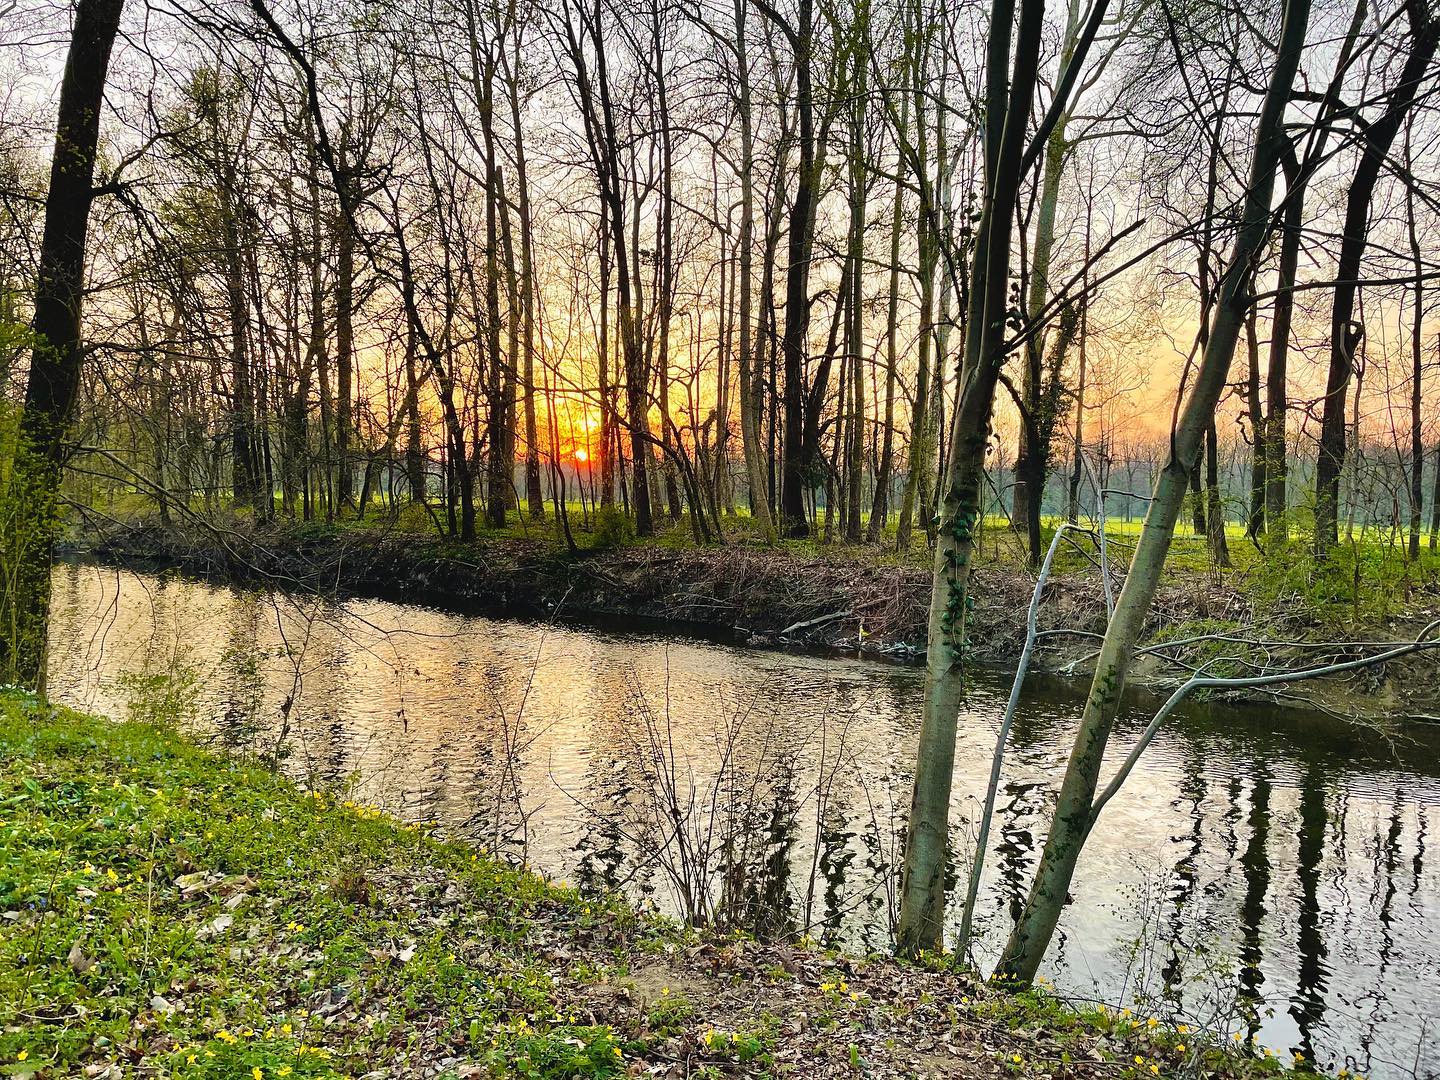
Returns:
<point x="1263" y="872"/>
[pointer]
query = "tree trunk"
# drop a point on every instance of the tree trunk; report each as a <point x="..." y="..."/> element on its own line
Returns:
<point x="794" y="344"/>
<point x="1345" y="332"/>
<point x="57" y="358"/>
<point x="927" y="835"/>
<point x="922" y="445"/>
<point x="880" y="507"/>
<point x="1215" y="503"/>
<point x="1073" y="815"/>
<point x="414" y="450"/>
<point x="1276" y="374"/>
<point x="344" y="353"/>
<point x="1032" y="459"/>
<point x="1255" y="521"/>
<point x="855" y="328"/>
<point x="1417" y="369"/>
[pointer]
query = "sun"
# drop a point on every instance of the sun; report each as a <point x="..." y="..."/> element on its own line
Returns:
<point x="581" y="456"/>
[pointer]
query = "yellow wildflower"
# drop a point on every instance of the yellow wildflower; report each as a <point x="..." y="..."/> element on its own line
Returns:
<point x="22" y="1055"/>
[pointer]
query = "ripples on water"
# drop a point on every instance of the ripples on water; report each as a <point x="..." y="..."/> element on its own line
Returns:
<point x="1256" y="864"/>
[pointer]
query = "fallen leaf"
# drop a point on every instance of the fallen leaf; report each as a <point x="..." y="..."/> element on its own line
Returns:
<point x="214" y="928"/>
<point x="78" y="961"/>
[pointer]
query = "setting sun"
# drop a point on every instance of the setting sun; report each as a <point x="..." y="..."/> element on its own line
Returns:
<point x="581" y="456"/>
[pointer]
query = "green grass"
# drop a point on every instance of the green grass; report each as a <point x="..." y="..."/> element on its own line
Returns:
<point x="184" y="914"/>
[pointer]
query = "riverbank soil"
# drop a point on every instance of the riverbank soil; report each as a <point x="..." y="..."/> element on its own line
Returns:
<point x="1281" y="611"/>
<point x="165" y="911"/>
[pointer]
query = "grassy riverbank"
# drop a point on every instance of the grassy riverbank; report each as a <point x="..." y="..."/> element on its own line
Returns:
<point x="165" y="911"/>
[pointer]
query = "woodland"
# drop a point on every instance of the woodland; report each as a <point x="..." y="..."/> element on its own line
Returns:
<point x="1131" y="291"/>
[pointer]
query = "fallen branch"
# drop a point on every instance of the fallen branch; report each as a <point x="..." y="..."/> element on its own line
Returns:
<point x="1200" y="681"/>
<point x="810" y="624"/>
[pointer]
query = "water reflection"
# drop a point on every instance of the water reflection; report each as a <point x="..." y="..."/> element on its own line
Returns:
<point x="1307" y="1006"/>
<point x="1255" y="864"/>
<point x="1267" y="869"/>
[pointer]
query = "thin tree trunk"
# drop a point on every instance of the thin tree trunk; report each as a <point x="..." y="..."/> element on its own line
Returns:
<point x="344" y="351"/>
<point x="1032" y="460"/>
<point x="794" y="343"/>
<point x="1255" y="524"/>
<point x="1215" y="505"/>
<point x="880" y="507"/>
<point x="1276" y="374"/>
<point x="855" y="330"/>
<point x="922" y="450"/>
<point x="751" y="381"/>
<point x="927" y="835"/>
<point x="1073" y="817"/>
<point x="1345" y="331"/>
<point x="1417" y="369"/>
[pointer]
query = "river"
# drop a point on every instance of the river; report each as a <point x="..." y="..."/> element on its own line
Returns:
<point x="1264" y="872"/>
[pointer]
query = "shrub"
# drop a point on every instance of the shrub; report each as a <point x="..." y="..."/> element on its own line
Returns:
<point x="613" y="528"/>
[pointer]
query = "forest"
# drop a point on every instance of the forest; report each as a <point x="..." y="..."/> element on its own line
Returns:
<point x="1100" y="339"/>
